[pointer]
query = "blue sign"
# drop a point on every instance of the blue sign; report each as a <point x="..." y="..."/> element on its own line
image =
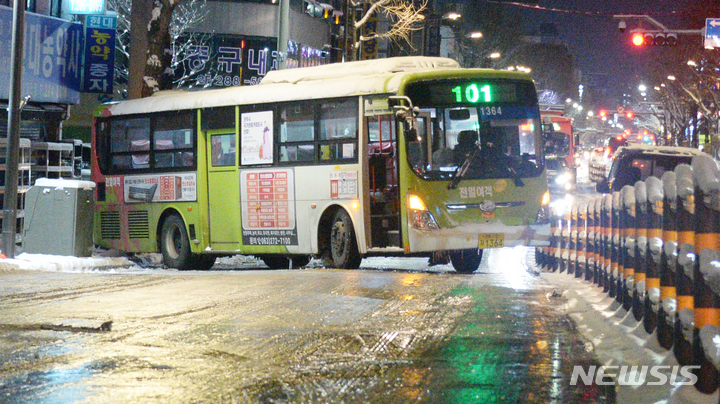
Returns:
<point x="712" y="33"/>
<point x="51" y="58"/>
<point x="99" y="69"/>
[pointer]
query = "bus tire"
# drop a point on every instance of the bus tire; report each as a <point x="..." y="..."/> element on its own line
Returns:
<point x="466" y="261"/>
<point x="175" y="245"/>
<point x="343" y="245"/>
<point x="283" y="261"/>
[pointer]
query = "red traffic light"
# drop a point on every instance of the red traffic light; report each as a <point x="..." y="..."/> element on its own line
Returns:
<point x="629" y="114"/>
<point x="638" y="39"/>
<point x="654" y="38"/>
<point x="603" y="113"/>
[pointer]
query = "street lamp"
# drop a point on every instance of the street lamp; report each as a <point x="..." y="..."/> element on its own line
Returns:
<point x="453" y="16"/>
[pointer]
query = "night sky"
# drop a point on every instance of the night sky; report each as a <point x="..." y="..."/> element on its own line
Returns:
<point x="593" y="36"/>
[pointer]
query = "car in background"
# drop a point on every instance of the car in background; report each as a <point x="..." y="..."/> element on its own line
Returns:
<point x="560" y="175"/>
<point x="637" y="162"/>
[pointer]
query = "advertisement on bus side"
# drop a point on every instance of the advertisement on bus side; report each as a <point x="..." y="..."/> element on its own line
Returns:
<point x="179" y="187"/>
<point x="268" y="207"/>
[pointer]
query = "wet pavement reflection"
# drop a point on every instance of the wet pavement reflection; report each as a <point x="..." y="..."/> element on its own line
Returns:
<point x="392" y="332"/>
<point x="521" y="351"/>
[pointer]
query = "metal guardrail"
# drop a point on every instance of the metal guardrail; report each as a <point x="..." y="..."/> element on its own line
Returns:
<point x="655" y="248"/>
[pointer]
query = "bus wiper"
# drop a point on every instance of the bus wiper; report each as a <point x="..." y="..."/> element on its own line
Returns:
<point x="516" y="178"/>
<point x="460" y="171"/>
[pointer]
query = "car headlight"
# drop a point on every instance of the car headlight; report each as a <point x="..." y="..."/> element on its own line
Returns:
<point x="563" y="178"/>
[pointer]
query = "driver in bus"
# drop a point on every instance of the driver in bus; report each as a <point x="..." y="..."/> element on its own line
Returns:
<point x="493" y="159"/>
<point x="466" y="145"/>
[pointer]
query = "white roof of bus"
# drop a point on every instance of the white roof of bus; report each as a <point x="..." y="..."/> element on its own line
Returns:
<point x="371" y="77"/>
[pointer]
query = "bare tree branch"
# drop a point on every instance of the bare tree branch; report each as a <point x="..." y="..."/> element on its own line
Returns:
<point x="404" y="18"/>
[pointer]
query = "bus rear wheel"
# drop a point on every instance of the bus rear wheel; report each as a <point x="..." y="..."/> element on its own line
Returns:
<point x="343" y="245"/>
<point x="175" y="245"/>
<point x="283" y="261"/>
<point x="466" y="261"/>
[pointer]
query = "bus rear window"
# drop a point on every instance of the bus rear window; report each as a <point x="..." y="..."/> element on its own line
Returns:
<point x="143" y="144"/>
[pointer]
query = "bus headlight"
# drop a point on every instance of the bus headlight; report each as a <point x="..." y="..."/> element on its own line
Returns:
<point x="545" y="199"/>
<point x="419" y="216"/>
<point x="543" y="215"/>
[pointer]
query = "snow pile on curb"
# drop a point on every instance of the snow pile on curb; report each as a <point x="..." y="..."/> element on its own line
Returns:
<point x="618" y="339"/>
<point x="58" y="263"/>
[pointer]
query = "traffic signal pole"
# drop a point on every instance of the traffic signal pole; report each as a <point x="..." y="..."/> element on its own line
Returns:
<point x="283" y="33"/>
<point x="13" y="134"/>
<point x="659" y="27"/>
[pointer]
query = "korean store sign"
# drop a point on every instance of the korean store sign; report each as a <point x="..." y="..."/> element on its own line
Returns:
<point x="51" y="58"/>
<point x="99" y="69"/>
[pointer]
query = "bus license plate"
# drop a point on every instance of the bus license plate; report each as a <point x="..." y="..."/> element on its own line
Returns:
<point x="492" y="240"/>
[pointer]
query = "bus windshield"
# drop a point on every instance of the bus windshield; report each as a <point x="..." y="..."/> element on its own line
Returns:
<point x="491" y="127"/>
<point x="495" y="148"/>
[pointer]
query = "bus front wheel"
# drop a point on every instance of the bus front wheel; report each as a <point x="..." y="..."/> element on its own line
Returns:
<point x="343" y="245"/>
<point x="175" y="245"/>
<point x="466" y="261"/>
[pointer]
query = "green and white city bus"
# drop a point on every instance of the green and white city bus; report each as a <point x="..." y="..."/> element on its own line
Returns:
<point x="411" y="155"/>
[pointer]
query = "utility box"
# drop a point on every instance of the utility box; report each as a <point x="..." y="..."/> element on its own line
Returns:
<point x="59" y="218"/>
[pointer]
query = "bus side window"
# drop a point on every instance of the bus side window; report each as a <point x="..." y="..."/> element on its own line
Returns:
<point x="223" y="150"/>
<point x="338" y="119"/>
<point x="338" y="130"/>
<point x="140" y="160"/>
<point x="297" y="132"/>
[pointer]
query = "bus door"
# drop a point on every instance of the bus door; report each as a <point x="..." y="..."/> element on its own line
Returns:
<point x="223" y="189"/>
<point x="383" y="181"/>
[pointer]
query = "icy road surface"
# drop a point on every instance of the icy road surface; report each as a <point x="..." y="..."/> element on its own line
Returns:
<point x="396" y="331"/>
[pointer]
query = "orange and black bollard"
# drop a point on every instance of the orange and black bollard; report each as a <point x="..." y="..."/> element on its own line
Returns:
<point x="565" y="241"/>
<point x="668" y="263"/>
<point x="654" y="188"/>
<point x="628" y="241"/>
<point x="641" y="247"/>
<point x="616" y="275"/>
<point x="707" y="247"/>
<point x="581" y="241"/>
<point x="595" y="239"/>
<point x="549" y="256"/>
<point x="607" y="242"/>
<point x="555" y="250"/>
<point x="590" y="247"/>
<point x="684" y="315"/>
<point x="572" y="246"/>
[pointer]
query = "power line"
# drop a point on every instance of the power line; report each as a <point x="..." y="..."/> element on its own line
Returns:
<point x="590" y="13"/>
